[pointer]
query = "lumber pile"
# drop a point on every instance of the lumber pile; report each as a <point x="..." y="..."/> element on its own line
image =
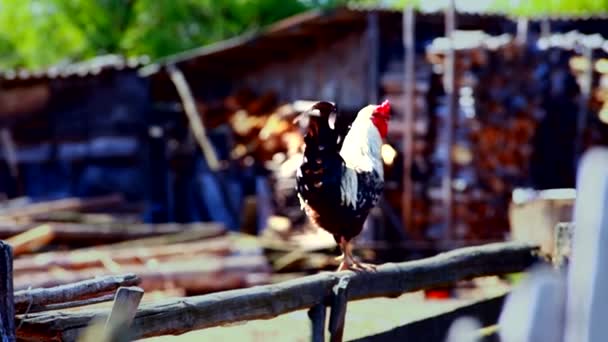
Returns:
<point x="58" y="244"/>
<point x="499" y="88"/>
<point x="193" y="260"/>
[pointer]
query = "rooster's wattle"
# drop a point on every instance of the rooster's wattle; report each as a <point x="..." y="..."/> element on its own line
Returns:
<point x="341" y="177"/>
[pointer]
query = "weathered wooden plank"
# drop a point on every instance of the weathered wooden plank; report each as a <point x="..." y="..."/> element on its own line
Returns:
<point x="115" y="328"/>
<point x="63" y="204"/>
<point x="85" y="289"/>
<point x="100" y="233"/>
<point x="177" y="316"/>
<point x="124" y="308"/>
<point x="87" y="258"/>
<point x="7" y="305"/>
<point x="32" y="239"/>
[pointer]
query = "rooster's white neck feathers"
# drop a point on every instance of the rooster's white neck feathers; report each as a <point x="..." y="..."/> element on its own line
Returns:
<point x="361" y="153"/>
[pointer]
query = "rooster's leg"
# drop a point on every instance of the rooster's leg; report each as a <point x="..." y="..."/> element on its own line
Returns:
<point x="345" y="262"/>
<point x="349" y="262"/>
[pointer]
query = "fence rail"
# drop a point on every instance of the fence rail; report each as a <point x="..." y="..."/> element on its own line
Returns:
<point x="177" y="316"/>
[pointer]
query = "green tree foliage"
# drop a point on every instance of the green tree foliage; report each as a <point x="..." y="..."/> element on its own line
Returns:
<point x="39" y="33"/>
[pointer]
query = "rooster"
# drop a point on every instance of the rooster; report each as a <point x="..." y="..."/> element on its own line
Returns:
<point x="341" y="177"/>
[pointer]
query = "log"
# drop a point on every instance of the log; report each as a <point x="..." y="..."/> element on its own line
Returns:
<point x="104" y="233"/>
<point x="88" y="258"/>
<point x="194" y="118"/>
<point x="85" y="289"/>
<point x="72" y="204"/>
<point x="189" y="233"/>
<point x="177" y="316"/>
<point x="202" y="275"/>
<point x="7" y="305"/>
<point x="31" y="240"/>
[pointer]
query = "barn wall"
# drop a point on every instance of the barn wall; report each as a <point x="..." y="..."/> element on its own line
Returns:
<point x="338" y="73"/>
<point x="88" y="139"/>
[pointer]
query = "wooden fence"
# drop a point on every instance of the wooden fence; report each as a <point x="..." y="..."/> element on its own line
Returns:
<point x="317" y="292"/>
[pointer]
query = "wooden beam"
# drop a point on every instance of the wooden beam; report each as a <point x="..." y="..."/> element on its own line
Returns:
<point x="373" y="38"/>
<point x="112" y="232"/>
<point x="81" y="290"/>
<point x="31" y="240"/>
<point x="194" y="117"/>
<point x="7" y="305"/>
<point x="449" y="84"/>
<point x="87" y="258"/>
<point x="72" y="204"/>
<point x="407" y="125"/>
<point x="177" y="316"/>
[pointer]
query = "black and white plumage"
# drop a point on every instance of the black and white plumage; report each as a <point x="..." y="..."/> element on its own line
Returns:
<point x="341" y="177"/>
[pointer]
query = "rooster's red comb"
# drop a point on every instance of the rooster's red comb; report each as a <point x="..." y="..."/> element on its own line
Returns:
<point x="384" y="108"/>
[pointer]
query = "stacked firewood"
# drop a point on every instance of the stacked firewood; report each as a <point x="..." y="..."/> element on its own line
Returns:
<point x="51" y="249"/>
<point x="499" y="107"/>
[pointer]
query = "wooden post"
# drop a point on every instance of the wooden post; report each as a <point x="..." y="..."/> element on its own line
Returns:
<point x="449" y="83"/>
<point x="545" y="28"/>
<point x="196" y="123"/>
<point x="587" y="299"/>
<point x="584" y="103"/>
<point x="522" y="30"/>
<point x="124" y="308"/>
<point x="117" y="325"/>
<point x="7" y="306"/>
<point x="373" y="36"/>
<point x="408" y="122"/>
<point x="317" y="319"/>
<point x="338" y="310"/>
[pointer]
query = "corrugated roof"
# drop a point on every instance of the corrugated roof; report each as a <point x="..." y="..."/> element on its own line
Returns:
<point x="93" y="66"/>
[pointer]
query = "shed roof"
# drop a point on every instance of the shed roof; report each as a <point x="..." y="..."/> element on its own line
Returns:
<point x="294" y="36"/>
<point x="89" y="67"/>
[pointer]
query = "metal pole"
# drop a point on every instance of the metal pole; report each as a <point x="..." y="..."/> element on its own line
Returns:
<point x="408" y="122"/>
<point x="449" y="81"/>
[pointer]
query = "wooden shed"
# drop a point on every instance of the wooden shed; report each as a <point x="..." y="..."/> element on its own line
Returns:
<point x="74" y="130"/>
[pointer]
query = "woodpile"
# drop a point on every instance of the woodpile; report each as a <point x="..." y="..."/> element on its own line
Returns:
<point x="500" y="87"/>
<point x="83" y="258"/>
